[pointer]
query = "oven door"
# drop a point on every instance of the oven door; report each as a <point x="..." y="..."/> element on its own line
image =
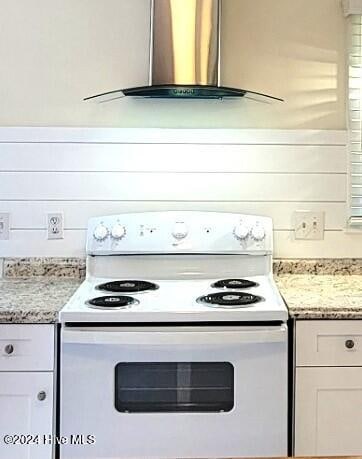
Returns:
<point x="168" y="392"/>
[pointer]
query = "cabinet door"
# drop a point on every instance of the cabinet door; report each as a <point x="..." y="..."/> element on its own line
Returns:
<point x="26" y="408"/>
<point x="328" y="412"/>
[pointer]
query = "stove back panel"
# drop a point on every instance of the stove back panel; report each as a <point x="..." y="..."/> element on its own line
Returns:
<point x="178" y="266"/>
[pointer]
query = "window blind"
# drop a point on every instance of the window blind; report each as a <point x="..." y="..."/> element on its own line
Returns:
<point x="355" y="116"/>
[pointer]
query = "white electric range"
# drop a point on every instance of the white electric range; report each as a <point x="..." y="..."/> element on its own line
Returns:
<point x="175" y="345"/>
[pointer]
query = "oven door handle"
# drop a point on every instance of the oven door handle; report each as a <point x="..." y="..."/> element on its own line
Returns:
<point x="250" y="335"/>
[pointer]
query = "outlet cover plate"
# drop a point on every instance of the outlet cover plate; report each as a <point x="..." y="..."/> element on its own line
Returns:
<point x="308" y="225"/>
<point x="4" y="226"/>
<point x="55" y="225"/>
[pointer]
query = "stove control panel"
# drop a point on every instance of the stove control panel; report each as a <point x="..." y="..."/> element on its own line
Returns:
<point x="179" y="232"/>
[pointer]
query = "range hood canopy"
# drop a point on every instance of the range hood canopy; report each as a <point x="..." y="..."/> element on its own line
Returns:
<point x="184" y="54"/>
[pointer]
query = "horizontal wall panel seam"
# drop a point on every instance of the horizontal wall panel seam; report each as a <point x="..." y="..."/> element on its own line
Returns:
<point x="156" y="135"/>
<point x="281" y="201"/>
<point x="276" y="230"/>
<point x="271" y="143"/>
<point x="76" y="214"/>
<point x="169" y="172"/>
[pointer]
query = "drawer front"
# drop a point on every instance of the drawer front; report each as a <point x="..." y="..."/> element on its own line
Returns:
<point x="27" y="347"/>
<point x="329" y="343"/>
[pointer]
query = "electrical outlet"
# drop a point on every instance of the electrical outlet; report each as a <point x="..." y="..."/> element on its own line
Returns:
<point x="309" y="225"/>
<point x="4" y="226"/>
<point x="55" y="225"/>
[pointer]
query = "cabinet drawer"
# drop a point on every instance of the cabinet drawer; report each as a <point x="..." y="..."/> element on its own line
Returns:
<point x="26" y="347"/>
<point x="329" y="343"/>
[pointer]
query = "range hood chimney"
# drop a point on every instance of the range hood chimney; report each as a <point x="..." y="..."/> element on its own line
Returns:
<point x="184" y="54"/>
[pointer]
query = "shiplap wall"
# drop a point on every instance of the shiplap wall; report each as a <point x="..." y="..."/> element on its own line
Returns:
<point x="89" y="172"/>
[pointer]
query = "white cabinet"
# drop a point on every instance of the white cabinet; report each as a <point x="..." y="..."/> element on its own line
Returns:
<point x="26" y="410"/>
<point x="26" y="347"/>
<point x="26" y="391"/>
<point x="328" y="398"/>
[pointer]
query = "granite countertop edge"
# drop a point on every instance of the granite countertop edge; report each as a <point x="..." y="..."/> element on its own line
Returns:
<point x="34" y="300"/>
<point x="24" y="317"/>
<point x="330" y="314"/>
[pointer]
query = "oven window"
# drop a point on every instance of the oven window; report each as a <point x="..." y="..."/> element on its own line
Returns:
<point x="174" y="387"/>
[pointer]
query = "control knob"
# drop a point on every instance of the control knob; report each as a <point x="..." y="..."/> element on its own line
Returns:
<point x="180" y="231"/>
<point x="118" y="232"/>
<point x="100" y="232"/>
<point x="241" y="231"/>
<point x="258" y="233"/>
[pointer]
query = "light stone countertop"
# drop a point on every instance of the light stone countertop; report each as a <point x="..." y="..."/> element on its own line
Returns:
<point x="34" y="290"/>
<point x="311" y="296"/>
<point x="34" y="300"/>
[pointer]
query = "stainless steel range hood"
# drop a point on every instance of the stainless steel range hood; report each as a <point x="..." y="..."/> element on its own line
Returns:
<point x="184" y="53"/>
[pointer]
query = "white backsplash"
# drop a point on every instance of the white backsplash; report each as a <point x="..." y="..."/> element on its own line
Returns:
<point x="91" y="172"/>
